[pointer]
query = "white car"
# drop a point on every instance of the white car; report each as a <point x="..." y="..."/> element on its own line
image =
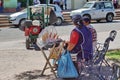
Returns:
<point x="19" y="18"/>
<point x="97" y="10"/>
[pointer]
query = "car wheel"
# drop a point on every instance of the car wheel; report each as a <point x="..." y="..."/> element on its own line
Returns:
<point x="21" y="24"/>
<point x="58" y="22"/>
<point x="109" y="18"/>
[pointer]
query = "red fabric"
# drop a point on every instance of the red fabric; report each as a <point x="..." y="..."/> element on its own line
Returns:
<point x="26" y="31"/>
<point x="29" y="30"/>
<point x="0" y="3"/>
<point x="34" y="33"/>
<point x="74" y="37"/>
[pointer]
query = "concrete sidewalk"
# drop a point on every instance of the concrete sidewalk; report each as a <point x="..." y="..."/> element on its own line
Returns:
<point x="5" y="14"/>
<point x="17" y="63"/>
<point x="113" y="44"/>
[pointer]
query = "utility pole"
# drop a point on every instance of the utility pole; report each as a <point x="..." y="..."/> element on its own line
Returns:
<point x="28" y="13"/>
<point x="47" y="11"/>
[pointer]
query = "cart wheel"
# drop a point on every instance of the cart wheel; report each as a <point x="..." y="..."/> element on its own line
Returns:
<point x="27" y="43"/>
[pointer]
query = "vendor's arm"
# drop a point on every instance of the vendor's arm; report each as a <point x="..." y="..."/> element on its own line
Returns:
<point x="74" y="37"/>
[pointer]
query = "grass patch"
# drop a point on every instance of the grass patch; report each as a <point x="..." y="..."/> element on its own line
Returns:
<point x="114" y="55"/>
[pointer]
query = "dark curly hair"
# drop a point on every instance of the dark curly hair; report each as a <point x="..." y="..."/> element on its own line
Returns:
<point x="77" y="19"/>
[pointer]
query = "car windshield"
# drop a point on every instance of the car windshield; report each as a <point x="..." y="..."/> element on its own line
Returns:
<point x="88" y="5"/>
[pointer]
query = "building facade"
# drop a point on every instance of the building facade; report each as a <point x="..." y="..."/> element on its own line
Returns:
<point x="75" y="4"/>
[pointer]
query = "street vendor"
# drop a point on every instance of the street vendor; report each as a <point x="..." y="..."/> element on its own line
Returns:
<point x="80" y="43"/>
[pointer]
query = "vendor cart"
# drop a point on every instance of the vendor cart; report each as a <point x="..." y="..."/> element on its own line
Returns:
<point x="48" y="38"/>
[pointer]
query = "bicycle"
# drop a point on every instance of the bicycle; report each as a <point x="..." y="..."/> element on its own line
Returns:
<point x="93" y="68"/>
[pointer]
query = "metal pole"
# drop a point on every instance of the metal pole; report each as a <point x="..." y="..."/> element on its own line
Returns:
<point x="28" y="12"/>
<point x="47" y="11"/>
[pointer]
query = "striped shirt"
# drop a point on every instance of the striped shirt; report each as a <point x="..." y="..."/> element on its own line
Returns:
<point x="93" y="31"/>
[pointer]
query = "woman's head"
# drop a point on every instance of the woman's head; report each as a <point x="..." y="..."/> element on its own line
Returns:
<point x="77" y="20"/>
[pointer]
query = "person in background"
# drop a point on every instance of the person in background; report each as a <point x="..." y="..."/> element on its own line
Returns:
<point x="65" y="4"/>
<point x="36" y="2"/>
<point x="56" y="2"/>
<point x="1" y="6"/>
<point x="80" y="43"/>
<point x="41" y="1"/>
<point x="61" y="4"/>
<point x="51" y="1"/>
<point x="115" y="3"/>
<point x="18" y="6"/>
<point x="86" y="22"/>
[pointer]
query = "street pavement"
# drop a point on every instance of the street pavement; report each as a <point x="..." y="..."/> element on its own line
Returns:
<point x="17" y="63"/>
<point x="113" y="44"/>
<point x="101" y="36"/>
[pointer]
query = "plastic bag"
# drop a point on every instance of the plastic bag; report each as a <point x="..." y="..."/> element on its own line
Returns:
<point x="66" y="68"/>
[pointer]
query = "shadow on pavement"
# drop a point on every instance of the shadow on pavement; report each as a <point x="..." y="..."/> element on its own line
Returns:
<point x="35" y="74"/>
<point x="104" y="21"/>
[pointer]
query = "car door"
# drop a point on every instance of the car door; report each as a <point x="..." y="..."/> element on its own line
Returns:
<point x="102" y="10"/>
<point x="98" y="10"/>
<point x="109" y="8"/>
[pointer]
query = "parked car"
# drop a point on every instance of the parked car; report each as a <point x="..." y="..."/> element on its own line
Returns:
<point x="19" y="18"/>
<point x="97" y="10"/>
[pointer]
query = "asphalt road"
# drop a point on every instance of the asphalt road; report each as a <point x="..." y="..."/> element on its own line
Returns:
<point x="11" y="36"/>
<point x="12" y="33"/>
<point x="17" y="63"/>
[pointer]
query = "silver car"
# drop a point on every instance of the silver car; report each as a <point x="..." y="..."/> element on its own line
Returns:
<point x="18" y="18"/>
<point x="97" y="10"/>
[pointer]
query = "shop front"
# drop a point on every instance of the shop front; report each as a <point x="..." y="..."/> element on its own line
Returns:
<point x="8" y="5"/>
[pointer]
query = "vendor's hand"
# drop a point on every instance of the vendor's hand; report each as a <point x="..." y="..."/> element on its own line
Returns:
<point x="65" y="45"/>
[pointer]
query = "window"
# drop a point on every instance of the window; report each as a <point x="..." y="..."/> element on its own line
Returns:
<point x="108" y="5"/>
<point x="102" y="5"/>
<point x="97" y="6"/>
<point x="87" y="5"/>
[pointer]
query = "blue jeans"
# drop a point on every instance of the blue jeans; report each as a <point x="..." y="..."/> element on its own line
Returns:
<point x="1" y="9"/>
